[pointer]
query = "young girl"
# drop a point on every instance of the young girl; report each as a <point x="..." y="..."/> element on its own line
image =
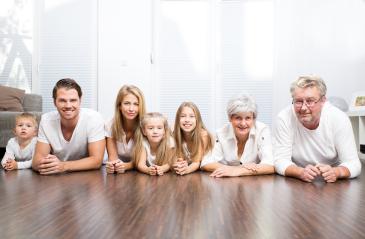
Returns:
<point x="120" y="131"/>
<point x="154" y="149"/>
<point x="192" y="139"/>
<point x="20" y="149"/>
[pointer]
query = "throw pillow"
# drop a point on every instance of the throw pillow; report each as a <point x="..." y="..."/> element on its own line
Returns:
<point x="11" y="99"/>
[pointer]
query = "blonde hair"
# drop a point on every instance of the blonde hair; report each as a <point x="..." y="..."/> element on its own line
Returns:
<point x="198" y="143"/>
<point x="309" y="81"/>
<point x="29" y="116"/>
<point x="165" y="151"/>
<point x="118" y="119"/>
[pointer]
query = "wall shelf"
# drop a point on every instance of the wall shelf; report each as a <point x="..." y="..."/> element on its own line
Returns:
<point x="357" y="119"/>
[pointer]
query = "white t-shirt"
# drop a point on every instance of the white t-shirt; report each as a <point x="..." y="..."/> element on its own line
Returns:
<point x="331" y="143"/>
<point x="258" y="148"/>
<point x="89" y="128"/>
<point x="23" y="157"/>
<point x="124" y="149"/>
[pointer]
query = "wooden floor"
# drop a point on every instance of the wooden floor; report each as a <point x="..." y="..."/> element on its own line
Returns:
<point x="96" y="205"/>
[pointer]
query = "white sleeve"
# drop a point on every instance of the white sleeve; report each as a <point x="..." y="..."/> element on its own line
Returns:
<point x="108" y="128"/>
<point x="24" y="164"/>
<point x="346" y="147"/>
<point x="41" y="134"/>
<point x="215" y="156"/>
<point x="265" y="147"/>
<point x="95" y="128"/>
<point x="9" y="153"/>
<point x="283" y="144"/>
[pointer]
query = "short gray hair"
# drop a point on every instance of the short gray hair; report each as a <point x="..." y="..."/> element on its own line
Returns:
<point x="243" y="103"/>
<point x="309" y="81"/>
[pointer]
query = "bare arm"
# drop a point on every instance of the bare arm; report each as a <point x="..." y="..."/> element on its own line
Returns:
<point x="94" y="161"/>
<point x="142" y="164"/>
<point x="114" y="164"/>
<point x="41" y="151"/>
<point x="243" y="170"/>
<point x="46" y="163"/>
<point x="331" y="174"/>
<point x="306" y="174"/>
<point x="111" y="148"/>
<point x="212" y="166"/>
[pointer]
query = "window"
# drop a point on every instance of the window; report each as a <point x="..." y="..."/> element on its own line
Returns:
<point x="16" y="43"/>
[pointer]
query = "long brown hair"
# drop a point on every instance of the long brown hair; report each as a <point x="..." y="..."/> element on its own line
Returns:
<point x="165" y="152"/>
<point x="118" y="119"/>
<point x="197" y="134"/>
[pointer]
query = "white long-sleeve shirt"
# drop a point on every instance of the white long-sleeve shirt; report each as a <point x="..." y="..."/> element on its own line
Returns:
<point x="23" y="157"/>
<point x="258" y="148"/>
<point x="331" y="143"/>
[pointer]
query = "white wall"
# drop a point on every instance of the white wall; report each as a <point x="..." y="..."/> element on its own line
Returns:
<point x="323" y="37"/>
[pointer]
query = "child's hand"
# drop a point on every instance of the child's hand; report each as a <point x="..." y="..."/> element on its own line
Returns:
<point x="159" y="170"/>
<point x="119" y="166"/>
<point x="115" y="166"/>
<point x="181" y="167"/>
<point x="10" y="164"/>
<point x="152" y="170"/>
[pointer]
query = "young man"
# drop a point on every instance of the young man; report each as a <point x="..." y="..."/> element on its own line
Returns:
<point x="312" y="138"/>
<point x="71" y="138"/>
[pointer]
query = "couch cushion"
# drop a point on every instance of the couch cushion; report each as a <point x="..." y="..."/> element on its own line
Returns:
<point x="11" y="99"/>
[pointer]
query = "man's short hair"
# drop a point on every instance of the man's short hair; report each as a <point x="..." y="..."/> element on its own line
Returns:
<point x="309" y="81"/>
<point x="67" y="83"/>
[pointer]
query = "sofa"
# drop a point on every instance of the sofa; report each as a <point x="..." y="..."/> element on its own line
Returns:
<point x="31" y="103"/>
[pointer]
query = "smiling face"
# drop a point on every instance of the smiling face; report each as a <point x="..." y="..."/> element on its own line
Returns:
<point x="242" y="124"/>
<point x="154" y="130"/>
<point x="308" y="103"/>
<point x="129" y="107"/>
<point x="25" y="128"/>
<point x="187" y="120"/>
<point x="68" y="104"/>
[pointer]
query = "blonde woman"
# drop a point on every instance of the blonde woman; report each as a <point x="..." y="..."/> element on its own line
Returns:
<point x="120" y="131"/>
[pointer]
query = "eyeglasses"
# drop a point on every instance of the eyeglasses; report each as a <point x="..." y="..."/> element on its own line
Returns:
<point x="309" y="102"/>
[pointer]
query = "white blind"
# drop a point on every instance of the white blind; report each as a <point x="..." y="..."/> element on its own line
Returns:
<point x="209" y="51"/>
<point x="16" y="43"/>
<point x="68" y="48"/>
<point x="246" y="52"/>
<point x="184" y="57"/>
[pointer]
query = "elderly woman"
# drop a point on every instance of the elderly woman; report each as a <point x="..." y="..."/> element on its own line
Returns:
<point x="243" y="146"/>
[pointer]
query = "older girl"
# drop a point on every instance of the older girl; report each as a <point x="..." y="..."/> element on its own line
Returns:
<point x="154" y="151"/>
<point x="192" y="139"/>
<point x="120" y="131"/>
<point x="243" y="146"/>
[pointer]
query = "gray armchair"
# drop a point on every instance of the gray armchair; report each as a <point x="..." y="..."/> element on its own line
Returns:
<point x="32" y="103"/>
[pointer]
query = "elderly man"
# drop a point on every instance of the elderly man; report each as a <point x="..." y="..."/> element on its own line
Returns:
<point x="312" y="138"/>
<point x="71" y="138"/>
